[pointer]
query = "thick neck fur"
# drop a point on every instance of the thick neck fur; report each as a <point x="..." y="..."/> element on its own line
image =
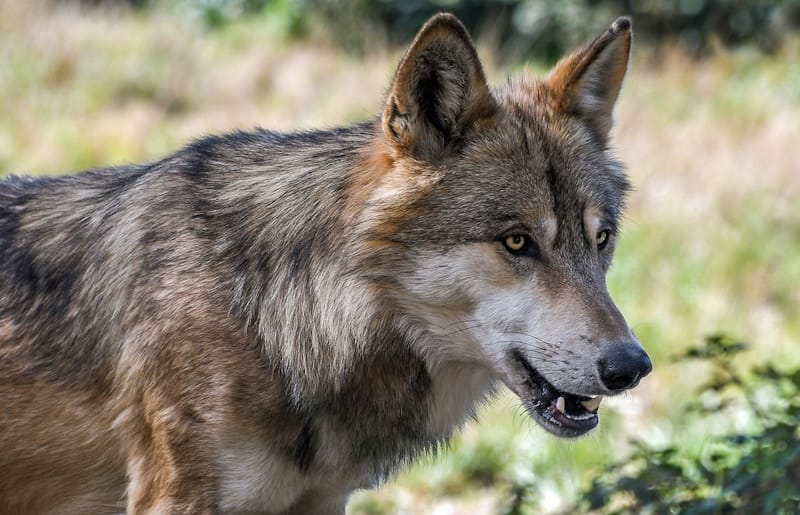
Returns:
<point x="305" y="281"/>
<point x="291" y="249"/>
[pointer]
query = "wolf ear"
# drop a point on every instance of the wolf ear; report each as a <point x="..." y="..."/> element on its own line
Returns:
<point x="588" y="82"/>
<point x="438" y="90"/>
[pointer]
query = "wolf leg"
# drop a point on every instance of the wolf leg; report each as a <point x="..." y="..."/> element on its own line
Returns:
<point x="169" y="466"/>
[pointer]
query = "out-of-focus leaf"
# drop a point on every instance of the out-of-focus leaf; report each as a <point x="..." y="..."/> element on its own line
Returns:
<point x="750" y="472"/>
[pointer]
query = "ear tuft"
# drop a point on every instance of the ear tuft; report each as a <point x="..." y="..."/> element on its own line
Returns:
<point x="439" y="89"/>
<point x="587" y="83"/>
<point x="621" y="24"/>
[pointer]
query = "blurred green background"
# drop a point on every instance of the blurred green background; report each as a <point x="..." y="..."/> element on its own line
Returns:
<point x="708" y="124"/>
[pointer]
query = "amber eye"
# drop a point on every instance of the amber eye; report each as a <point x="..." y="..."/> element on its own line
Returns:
<point x="516" y="242"/>
<point x="601" y="239"/>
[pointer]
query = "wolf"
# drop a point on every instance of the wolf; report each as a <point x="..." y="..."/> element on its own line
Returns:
<point x="265" y="322"/>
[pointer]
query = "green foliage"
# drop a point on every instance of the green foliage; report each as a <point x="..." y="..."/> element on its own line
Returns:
<point x="754" y="471"/>
<point x="539" y="29"/>
<point x="289" y="18"/>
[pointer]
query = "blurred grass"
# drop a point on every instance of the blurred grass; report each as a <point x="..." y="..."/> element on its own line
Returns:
<point x="711" y="241"/>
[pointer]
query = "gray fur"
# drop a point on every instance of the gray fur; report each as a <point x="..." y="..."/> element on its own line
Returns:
<point x="262" y="321"/>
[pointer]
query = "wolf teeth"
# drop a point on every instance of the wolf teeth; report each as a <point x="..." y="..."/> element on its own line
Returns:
<point x="592" y="404"/>
<point x="560" y="404"/>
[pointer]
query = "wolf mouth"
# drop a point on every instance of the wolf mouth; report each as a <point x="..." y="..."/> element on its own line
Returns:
<point x="563" y="414"/>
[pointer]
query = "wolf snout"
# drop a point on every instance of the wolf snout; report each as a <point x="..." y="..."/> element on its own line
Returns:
<point x="623" y="366"/>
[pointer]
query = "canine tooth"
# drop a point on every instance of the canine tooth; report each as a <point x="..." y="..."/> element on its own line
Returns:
<point x="592" y="404"/>
<point x="560" y="404"/>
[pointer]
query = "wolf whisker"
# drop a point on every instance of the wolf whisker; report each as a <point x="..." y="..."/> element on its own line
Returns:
<point x="544" y="356"/>
<point x="534" y="337"/>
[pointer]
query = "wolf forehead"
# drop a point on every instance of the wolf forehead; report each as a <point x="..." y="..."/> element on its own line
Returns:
<point x="529" y="163"/>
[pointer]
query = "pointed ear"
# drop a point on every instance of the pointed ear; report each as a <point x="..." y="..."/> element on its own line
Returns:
<point x="438" y="91"/>
<point x="588" y="82"/>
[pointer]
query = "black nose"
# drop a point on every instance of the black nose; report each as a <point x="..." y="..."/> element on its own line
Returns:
<point x="623" y="366"/>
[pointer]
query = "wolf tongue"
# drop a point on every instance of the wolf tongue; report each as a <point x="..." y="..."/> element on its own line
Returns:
<point x="592" y="404"/>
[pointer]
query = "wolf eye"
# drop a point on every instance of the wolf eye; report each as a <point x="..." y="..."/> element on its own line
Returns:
<point x="601" y="239"/>
<point x="516" y="243"/>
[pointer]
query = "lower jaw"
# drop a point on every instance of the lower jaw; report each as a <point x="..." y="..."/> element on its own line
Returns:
<point x="563" y="428"/>
<point x="540" y="399"/>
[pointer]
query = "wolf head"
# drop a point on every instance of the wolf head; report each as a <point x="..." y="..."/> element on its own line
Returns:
<point x="496" y="215"/>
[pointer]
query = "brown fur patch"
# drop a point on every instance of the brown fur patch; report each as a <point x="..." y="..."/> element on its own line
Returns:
<point x="369" y="171"/>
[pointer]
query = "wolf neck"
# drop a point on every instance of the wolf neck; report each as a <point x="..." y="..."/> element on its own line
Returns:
<point x="300" y="284"/>
<point x="290" y="281"/>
